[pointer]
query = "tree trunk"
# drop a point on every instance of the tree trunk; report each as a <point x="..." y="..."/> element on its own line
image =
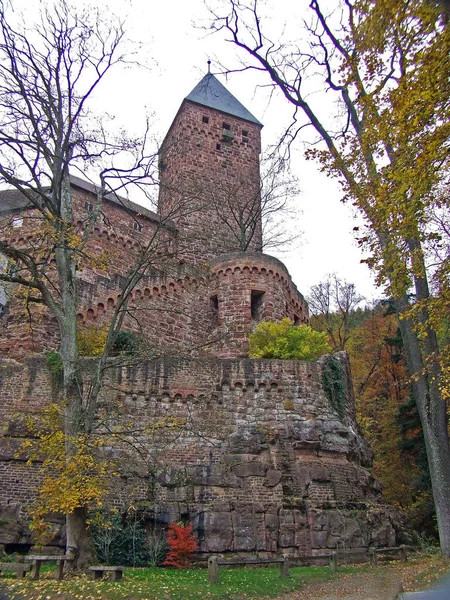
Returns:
<point x="432" y="412"/>
<point x="79" y="540"/>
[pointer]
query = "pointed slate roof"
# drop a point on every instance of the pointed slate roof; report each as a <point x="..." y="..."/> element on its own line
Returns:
<point x="210" y="92"/>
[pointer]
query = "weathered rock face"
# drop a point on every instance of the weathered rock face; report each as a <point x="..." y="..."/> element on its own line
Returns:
<point x="264" y="462"/>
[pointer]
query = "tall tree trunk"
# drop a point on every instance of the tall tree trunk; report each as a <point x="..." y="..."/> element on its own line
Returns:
<point x="421" y="360"/>
<point x="78" y="538"/>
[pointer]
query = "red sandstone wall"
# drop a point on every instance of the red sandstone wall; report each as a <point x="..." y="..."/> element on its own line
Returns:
<point x="112" y="250"/>
<point x="209" y="314"/>
<point x="263" y="463"/>
<point x="251" y="288"/>
<point x="204" y="310"/>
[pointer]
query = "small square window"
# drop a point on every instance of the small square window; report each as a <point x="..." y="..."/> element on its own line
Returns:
<point x="17" y="222"/>
<point x="226" y="126"/>
<point x="244" y="133"/>
<point x="88" y="206"/>
<point x="137" y="226"/>
<point x="245" y="140"/>
<point x="205" y="119"/>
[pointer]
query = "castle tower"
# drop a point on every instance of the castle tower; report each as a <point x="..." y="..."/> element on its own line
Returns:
<point x="209" y="174"/>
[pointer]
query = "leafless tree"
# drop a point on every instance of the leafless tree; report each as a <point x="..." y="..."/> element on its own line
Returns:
<point x="332" y="303"/>
<point x="48" y="75"/>
<point x="266" y="211"/>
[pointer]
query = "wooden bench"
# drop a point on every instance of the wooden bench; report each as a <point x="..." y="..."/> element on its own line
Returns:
<point x="20" y="568"/>
<point x="38" y="559"/>
<point x="214" y="565"/>
<point x="98" y="571"/>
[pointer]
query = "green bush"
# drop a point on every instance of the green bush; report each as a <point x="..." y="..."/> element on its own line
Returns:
<point x="126" y="343"/>
<point x="54" y="363"/>
<point x="119" y="541"/>
<point x="272" y="339"/>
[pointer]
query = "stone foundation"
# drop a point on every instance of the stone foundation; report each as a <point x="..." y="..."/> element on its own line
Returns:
<point x="264" y="462"/>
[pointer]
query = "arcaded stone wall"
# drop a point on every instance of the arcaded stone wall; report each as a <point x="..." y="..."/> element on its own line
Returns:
<point x="263" y="461"/>
<point x="207" y="309"/>
<point x="112" y="248"/>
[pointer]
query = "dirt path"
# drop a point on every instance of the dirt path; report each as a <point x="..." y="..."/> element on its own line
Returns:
<point x="381" y="583"/>
<point x="363" y="586"/>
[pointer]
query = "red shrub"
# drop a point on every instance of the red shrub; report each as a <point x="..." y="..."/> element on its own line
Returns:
<point x="182" y="545"/>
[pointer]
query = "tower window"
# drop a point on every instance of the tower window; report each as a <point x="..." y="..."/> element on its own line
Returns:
<point x="137" y="226"/>
<point x="214" y="304"/>
<point x="227" y="133"/>
<point x="205" y="119"/>
<point x="257" y="305"/>
<point x="88" y="206"/>
<point x="244" y="133"/>
<point x="217" y="146"/>
<point x="296" y="320"/>
<point x="245" y="140"/>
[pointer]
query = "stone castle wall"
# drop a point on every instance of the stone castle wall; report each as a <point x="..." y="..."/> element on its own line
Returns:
<point x="206" y="309"/>
<point x="263" y="462"/>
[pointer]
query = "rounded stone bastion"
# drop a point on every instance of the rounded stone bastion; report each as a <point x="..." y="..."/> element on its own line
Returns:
<point x="245" y="289"/>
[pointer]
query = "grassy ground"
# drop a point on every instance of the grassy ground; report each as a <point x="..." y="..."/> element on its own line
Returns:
<point x="168" y="584"/>
<point x="235" y="584"/>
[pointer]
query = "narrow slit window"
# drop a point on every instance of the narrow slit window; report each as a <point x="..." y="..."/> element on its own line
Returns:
<point x="137" y="226"/>
<point x="217" y="146"/>
<point x="214" y="305"/>
<point x="88" y="206"/>
<point x="296" y="320"/>
<point x="257" y="306"/>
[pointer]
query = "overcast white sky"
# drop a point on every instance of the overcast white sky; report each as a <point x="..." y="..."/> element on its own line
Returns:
<point x="175" y="48"/>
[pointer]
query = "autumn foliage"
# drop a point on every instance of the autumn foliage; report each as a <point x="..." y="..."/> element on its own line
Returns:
<point x="182" y="545"/>
<point x="281" y="339"/>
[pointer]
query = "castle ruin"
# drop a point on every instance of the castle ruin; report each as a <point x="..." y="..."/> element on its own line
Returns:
<point x="267" y="461"/>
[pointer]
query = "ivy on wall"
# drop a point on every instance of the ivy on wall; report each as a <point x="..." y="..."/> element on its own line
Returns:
<point x="334" y="384"/>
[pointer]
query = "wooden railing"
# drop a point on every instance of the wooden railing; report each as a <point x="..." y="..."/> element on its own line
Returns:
<point x="401" y="551"/>
<point x="285" y="562"/>
<point x="214" y="565"/>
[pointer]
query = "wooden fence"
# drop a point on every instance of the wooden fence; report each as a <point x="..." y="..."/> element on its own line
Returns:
<point x="333" y="558"/>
